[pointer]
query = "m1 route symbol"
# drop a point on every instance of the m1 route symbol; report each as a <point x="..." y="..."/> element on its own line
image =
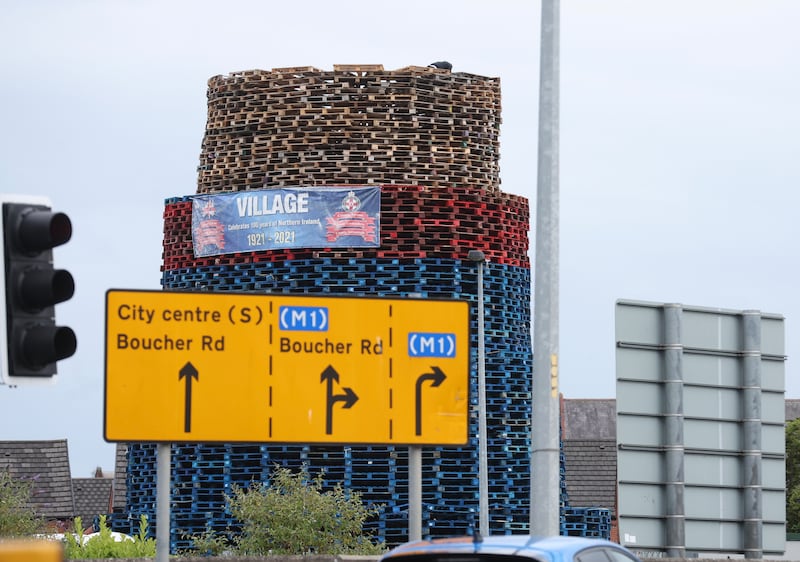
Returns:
<point x="431" y="345"/>
<point x="303" y="318"/>
<point x="185" y="367"/>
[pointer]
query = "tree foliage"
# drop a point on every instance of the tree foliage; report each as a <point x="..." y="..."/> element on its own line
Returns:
<point x="294" y="516"/>
<point x="17" y="518"/>
<point x="793" y="476"/>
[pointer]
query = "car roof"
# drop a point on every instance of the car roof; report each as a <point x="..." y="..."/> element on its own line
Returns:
<point x="526" y="546"/>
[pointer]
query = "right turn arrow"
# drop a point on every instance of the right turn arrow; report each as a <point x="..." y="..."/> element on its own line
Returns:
<point x="436" y="377"/>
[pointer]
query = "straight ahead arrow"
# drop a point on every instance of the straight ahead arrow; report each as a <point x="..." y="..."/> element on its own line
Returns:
<point x="329" y="375"/>
<point x="188" y="372"/>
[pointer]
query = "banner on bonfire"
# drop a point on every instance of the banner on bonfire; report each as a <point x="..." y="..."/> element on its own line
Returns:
<point x="276" y="219"/>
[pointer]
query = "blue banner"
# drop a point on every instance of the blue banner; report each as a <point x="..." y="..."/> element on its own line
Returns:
<point x="275" y="219"/>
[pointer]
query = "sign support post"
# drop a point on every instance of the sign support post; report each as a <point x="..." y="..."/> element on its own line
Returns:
<point x="163" y="473"/>
<point x="414" y="493"/>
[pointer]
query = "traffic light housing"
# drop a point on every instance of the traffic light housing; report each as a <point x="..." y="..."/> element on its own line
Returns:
<point x="31" y="343"/>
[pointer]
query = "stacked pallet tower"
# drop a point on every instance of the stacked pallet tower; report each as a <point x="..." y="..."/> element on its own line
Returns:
<point x="430" y="139"/>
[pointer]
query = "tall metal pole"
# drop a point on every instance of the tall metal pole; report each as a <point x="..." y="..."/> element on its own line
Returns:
<point x="545" y="478"/>
<point x="483" y="456"/>
<point x="163" y="467"/>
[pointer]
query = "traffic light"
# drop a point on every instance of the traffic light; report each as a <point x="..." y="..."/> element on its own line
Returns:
<point x="30" y="342"/>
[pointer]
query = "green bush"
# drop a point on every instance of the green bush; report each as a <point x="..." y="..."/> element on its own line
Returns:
<point x="209" y="543"/>
<point x="17" y="518"/>
<point x="793" y="476"/>
<point x="294" y="516"/>
<point x="105" y="546"/>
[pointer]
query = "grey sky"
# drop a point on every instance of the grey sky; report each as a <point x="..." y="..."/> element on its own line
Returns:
<point x="679" y="151"/>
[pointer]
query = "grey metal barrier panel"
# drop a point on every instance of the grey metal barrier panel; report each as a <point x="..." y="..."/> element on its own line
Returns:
<point x="700" y="418"/>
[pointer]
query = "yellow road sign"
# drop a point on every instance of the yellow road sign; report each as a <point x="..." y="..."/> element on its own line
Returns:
<point x="23" y="550"/>
<point x="231" y="367"/>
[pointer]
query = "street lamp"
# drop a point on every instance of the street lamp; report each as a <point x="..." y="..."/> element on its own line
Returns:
<point x="478" y="257"/>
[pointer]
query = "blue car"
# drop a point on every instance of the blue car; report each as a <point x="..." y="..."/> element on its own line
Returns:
<point x="510" y="548"/>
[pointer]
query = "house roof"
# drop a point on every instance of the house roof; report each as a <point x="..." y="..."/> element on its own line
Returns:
<point x="120" y="477"/>
<point x="590" y="452"/>
<point x="92" y="497"/>
<point x="590" y="472"/>
<point x="45" y="464"/>
<point x="590" y="419"/>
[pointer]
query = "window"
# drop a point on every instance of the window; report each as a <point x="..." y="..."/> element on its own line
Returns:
<point x="603" y="554"/>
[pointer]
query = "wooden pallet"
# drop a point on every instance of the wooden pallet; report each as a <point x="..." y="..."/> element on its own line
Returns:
<point x="355" y="125"/>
